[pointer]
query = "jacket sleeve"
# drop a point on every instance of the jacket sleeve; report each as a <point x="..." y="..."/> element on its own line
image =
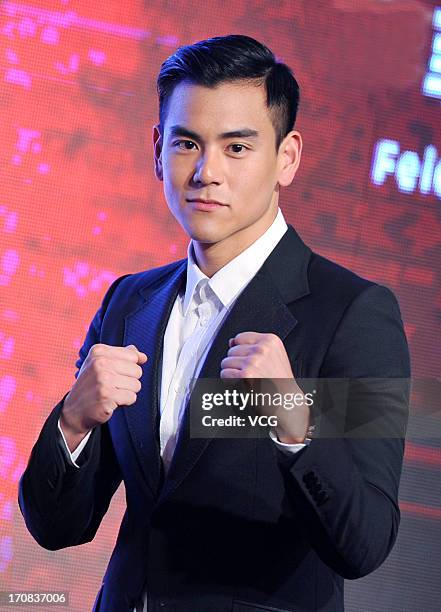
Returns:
<point x="345" y="487"/>
<point x="63" y="505"/>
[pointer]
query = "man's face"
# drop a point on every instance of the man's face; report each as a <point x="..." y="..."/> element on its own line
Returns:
<point x="219" y="145"/>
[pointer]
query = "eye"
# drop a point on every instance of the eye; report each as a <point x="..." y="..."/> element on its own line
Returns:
<point x="184" y="145"/>
<point x="238" y="148"/>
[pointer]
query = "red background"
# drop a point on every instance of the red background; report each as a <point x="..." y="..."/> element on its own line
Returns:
<point x="79" y="206"/>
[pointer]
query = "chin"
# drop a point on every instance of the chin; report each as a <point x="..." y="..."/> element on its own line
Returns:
<point x="204" y="236"/>
<point x="202" y="232"/>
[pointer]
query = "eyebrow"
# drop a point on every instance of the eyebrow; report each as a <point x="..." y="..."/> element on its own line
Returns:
<point x="180" y="130"/>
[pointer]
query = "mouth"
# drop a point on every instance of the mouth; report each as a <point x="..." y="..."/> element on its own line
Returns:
<point x="205" y="205"/>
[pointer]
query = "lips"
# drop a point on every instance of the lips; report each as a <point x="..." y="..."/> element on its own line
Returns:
<point x="205" y="205"/>
<point x="202" y="201"/>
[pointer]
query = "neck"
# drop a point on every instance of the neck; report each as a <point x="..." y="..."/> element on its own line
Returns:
<point x="211" y="257"/>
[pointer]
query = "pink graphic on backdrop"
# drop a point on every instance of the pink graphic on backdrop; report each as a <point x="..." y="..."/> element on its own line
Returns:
<point x="97" y="57"/>
<point x="34" y="271"/>
<point x="8" y="455"/>
<point x="10" y="220"/>
<point x="11" y="56"/>
<point x="9" y="263"/>
<point x="6" y="508"/>
<point x="26" y="28"/>
<point x="10" y="315"/>
<point x="69" y="19"/>
<point x="84" y="278"/>
<point x="71" y="66"/>
<point x="8" y="386"/>
<point x="6" y="552"/>
<point x="7" y="344"/>
<point x="50" y="36"/>
<point x="18" y="77"/>
<point x="26" y="139"/>
<point x="43" y="168"/>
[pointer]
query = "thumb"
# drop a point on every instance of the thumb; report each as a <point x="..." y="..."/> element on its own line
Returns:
<point x="142" y="357"/>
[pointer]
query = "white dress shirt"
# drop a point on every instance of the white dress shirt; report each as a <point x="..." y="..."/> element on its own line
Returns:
<point x="195" y="318"/>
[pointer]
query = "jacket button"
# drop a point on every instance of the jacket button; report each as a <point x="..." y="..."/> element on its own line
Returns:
<point x="309" y="477"/>
<point x="314" y="488"/>
<point x="321" y="498"/>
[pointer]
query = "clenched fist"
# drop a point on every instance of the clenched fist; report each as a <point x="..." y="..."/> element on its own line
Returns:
<point x="256" y="355"/>
<point x="109" y="377"/>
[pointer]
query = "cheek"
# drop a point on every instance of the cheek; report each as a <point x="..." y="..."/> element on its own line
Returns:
<point x="173" y="177"/>
<point x="177" y="171"/>
<point x="255" y="184"/>
<point x="171" y="189"/>
<point x="169" y="168"/>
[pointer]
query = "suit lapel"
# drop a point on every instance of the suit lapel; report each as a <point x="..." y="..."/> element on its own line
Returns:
<point x="145" y="329"/>
<point x="262" y="308"/>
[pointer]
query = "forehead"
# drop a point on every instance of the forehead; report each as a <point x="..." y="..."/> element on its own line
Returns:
<point x="223" y="108"/>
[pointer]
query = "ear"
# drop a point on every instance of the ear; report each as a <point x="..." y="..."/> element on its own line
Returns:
<point x="157" y="151"/>
<point x="289" y="155"/>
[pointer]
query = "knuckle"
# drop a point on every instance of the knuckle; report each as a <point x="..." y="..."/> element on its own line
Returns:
<point x="131" y="397"/>
<point x="101" y="363"/>
<point x="260" y="349"/>
<point x="96" y="350"/>
<point x="251" y="361"/>
<point x="274" y="340"/>
<point x="95" y="363"/>
<point x="131" y="354"/>
<point x="102" y="377"/>
<point x="102" y="393"/>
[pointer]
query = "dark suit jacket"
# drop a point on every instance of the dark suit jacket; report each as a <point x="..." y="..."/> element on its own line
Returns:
<point x="236" y="524"/>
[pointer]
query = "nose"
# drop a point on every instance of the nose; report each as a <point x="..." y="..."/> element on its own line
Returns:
<point x="208" y="169"/>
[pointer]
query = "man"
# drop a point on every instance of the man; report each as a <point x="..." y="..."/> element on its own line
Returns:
<point x="216" y="524"/>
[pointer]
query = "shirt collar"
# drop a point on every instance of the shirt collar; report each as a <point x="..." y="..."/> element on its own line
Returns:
<point x="230" y="280"/>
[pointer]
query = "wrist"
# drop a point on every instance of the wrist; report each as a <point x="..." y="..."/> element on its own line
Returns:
<point x="286" y="438"/>
<point x="69" y="424"/>
<point x="71" y="433"/>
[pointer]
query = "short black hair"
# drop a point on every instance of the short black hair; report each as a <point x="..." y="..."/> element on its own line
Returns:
<point x="235" y="57"/>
